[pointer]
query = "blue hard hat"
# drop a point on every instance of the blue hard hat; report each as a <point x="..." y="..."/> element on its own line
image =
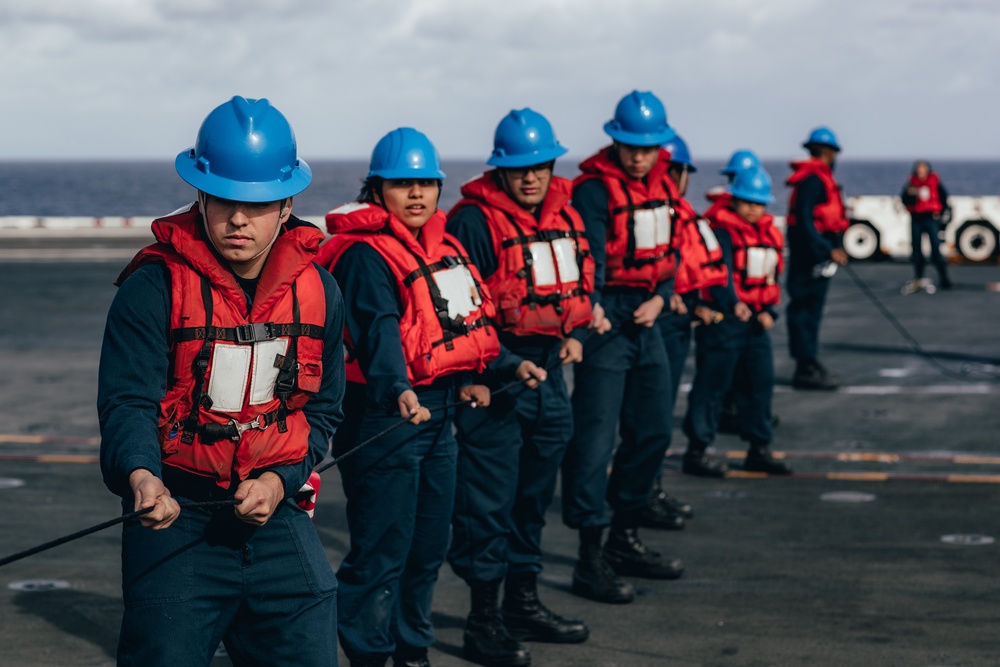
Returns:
<point x="740" y="160"/>
<point x="405" y="153"/>
<point x="752" y="185"/>
<point x="245" y="151"/>
<point x="822" y="136"/>
<point x="640" y="120"/>
<point x="524" y="138"/>
<point x="679" y="152"/>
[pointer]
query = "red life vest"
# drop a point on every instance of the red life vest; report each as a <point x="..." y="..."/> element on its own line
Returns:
<point x="758" y="257"/>
<point x="445" y="324"/>
<point x="544" y="268"/>
<point x="700" y="265"/>
<point x="928" y="195"/>
<point x="238" y="381"/>
<point x="640" y="245"/>
<point x="828" y="216"/>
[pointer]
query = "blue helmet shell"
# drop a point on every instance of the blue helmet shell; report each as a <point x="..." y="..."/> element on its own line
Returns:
<point x="640" y="120"/>
<point x="245" y="151"/>
<point x="524" y="138"/>
<point x="405" y="153"/>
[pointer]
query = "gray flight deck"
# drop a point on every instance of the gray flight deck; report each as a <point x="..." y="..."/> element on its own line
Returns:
<point x="897" y="567"/>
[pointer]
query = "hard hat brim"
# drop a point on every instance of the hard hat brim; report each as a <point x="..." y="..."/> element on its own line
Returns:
<point x="298" y="180"/>
<point x="807" y="144"/>
<point x="529" y="159"/>
<point x="752" y="198"/>
<point x="403" y="174"/>
<point x="636" y="139"/>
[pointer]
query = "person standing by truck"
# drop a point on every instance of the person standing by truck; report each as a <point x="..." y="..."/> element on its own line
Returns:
<point x="927" y="201"/>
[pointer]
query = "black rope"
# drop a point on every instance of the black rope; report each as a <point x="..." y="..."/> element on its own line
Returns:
<point x="101" y="526"/>
<point x="232" y="501"/>
<point x="904" y="332"/>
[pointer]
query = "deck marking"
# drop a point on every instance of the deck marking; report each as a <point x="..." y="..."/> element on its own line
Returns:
<point x="848" y="497"/>
<point x="10" y="482"/>
<point x="38" y="585"/>
<point x="968" y="540"/>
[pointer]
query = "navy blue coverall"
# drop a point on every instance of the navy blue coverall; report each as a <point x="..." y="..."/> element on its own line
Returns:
<point x="807" y="248"/>
<point x="736" y="354"/>
<point x="268" y="591"/>
<point x="622" y="385"/>
<point x="509" y="454"/>
<point x="400" y="489"/>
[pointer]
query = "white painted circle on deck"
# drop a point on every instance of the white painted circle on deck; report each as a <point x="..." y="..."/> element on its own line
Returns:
<point x="968" y="540"/>
<point x="848" y="497"/>
<point x="38" y="585"/>
<point x="10" y="483"/>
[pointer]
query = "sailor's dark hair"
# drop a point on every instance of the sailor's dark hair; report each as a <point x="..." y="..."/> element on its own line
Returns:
<point x="370" y="186"/>
<point x="920" y="162"/>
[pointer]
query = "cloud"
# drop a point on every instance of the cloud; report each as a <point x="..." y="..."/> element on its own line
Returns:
<point x="119" y="78"/>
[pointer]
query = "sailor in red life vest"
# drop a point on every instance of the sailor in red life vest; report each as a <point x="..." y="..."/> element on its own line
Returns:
<point x="737" y="350"/>
<point x="529" y="243"/>
<point x="624" y="197"/>
<point x="418" y="329"/>
<point x="926" y="200"/>
<point x="699" y="267"/>
<point x="221" y="378"/>
<point x="815" y="225"/>
<point x="718" y="196"/>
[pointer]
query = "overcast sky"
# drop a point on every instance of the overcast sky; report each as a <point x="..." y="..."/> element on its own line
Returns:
<point x="135" y="78"/>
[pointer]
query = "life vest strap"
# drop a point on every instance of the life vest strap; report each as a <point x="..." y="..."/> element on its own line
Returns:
<point x="245" y="334"/>
<point x="234" y="430"/>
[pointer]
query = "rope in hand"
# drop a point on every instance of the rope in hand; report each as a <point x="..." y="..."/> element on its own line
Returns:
<point x="902" y="330"/>
<point x="101" y="526"/>
<point x="231" y="501"/>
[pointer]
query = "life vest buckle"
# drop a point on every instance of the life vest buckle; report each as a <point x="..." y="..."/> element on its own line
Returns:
<point x="251" y="333"/>
<point x="239" y="428"/>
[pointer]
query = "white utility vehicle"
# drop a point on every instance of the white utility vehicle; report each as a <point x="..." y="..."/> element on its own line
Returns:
<point x="880" y="227"/>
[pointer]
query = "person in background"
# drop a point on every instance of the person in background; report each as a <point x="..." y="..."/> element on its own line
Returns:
<point x="736" y="351"/>
<point x="740" y="160"/>
<point x="527" y="241"/>
<point x="221" y="379"/>
<point x="927" y="201"/>
<point x="699" y="266"/>
<point x="815" y="226"/>
<point x="417" y="328"/>
<point x="624" y="197"/>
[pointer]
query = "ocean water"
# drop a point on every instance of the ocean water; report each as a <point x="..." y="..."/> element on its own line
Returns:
<point x="117" y="188"/>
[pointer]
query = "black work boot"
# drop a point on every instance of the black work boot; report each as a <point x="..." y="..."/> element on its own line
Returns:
<point x="593" y="578"/>
<point x="812" y="375"/>
<point x="486" y="640"/>
<point x="410" y="656"/>
<point x="668" y="502"/>
<point x="697" y="462"/>
<point x="760" y="459"/>
<point x="527" y="619"/>
<point x="628" y="556"/>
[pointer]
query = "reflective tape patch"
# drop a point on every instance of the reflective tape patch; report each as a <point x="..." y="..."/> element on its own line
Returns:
<point x="543" y="265"/>
<point x="228" y="382"/>
<point x="652" y="228"/>
<point x="707" y="235"/>
<point x="459" y="289"/>
<point x="265" y="375"/>
<point x="762" y="263"/>
<point x="565" y="252"/>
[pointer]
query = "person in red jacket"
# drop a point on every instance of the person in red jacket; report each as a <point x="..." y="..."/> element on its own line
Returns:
<point x="736" y="351"/>
<point x="815" y="226"/>
<point x="522" y="233"/>
<point x="221" y="380"/>
<point x="624" y="197"/>
<point x="418" y="328"/>
<point x="926" y="199"/>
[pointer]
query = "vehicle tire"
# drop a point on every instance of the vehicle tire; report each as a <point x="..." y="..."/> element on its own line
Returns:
<point x="862" y="240"/>
<point x="977" y="241"/>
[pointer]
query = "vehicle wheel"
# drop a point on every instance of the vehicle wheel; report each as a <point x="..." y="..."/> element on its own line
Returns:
<point x="862" y="240"/>
<point x="976" y="241"/>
